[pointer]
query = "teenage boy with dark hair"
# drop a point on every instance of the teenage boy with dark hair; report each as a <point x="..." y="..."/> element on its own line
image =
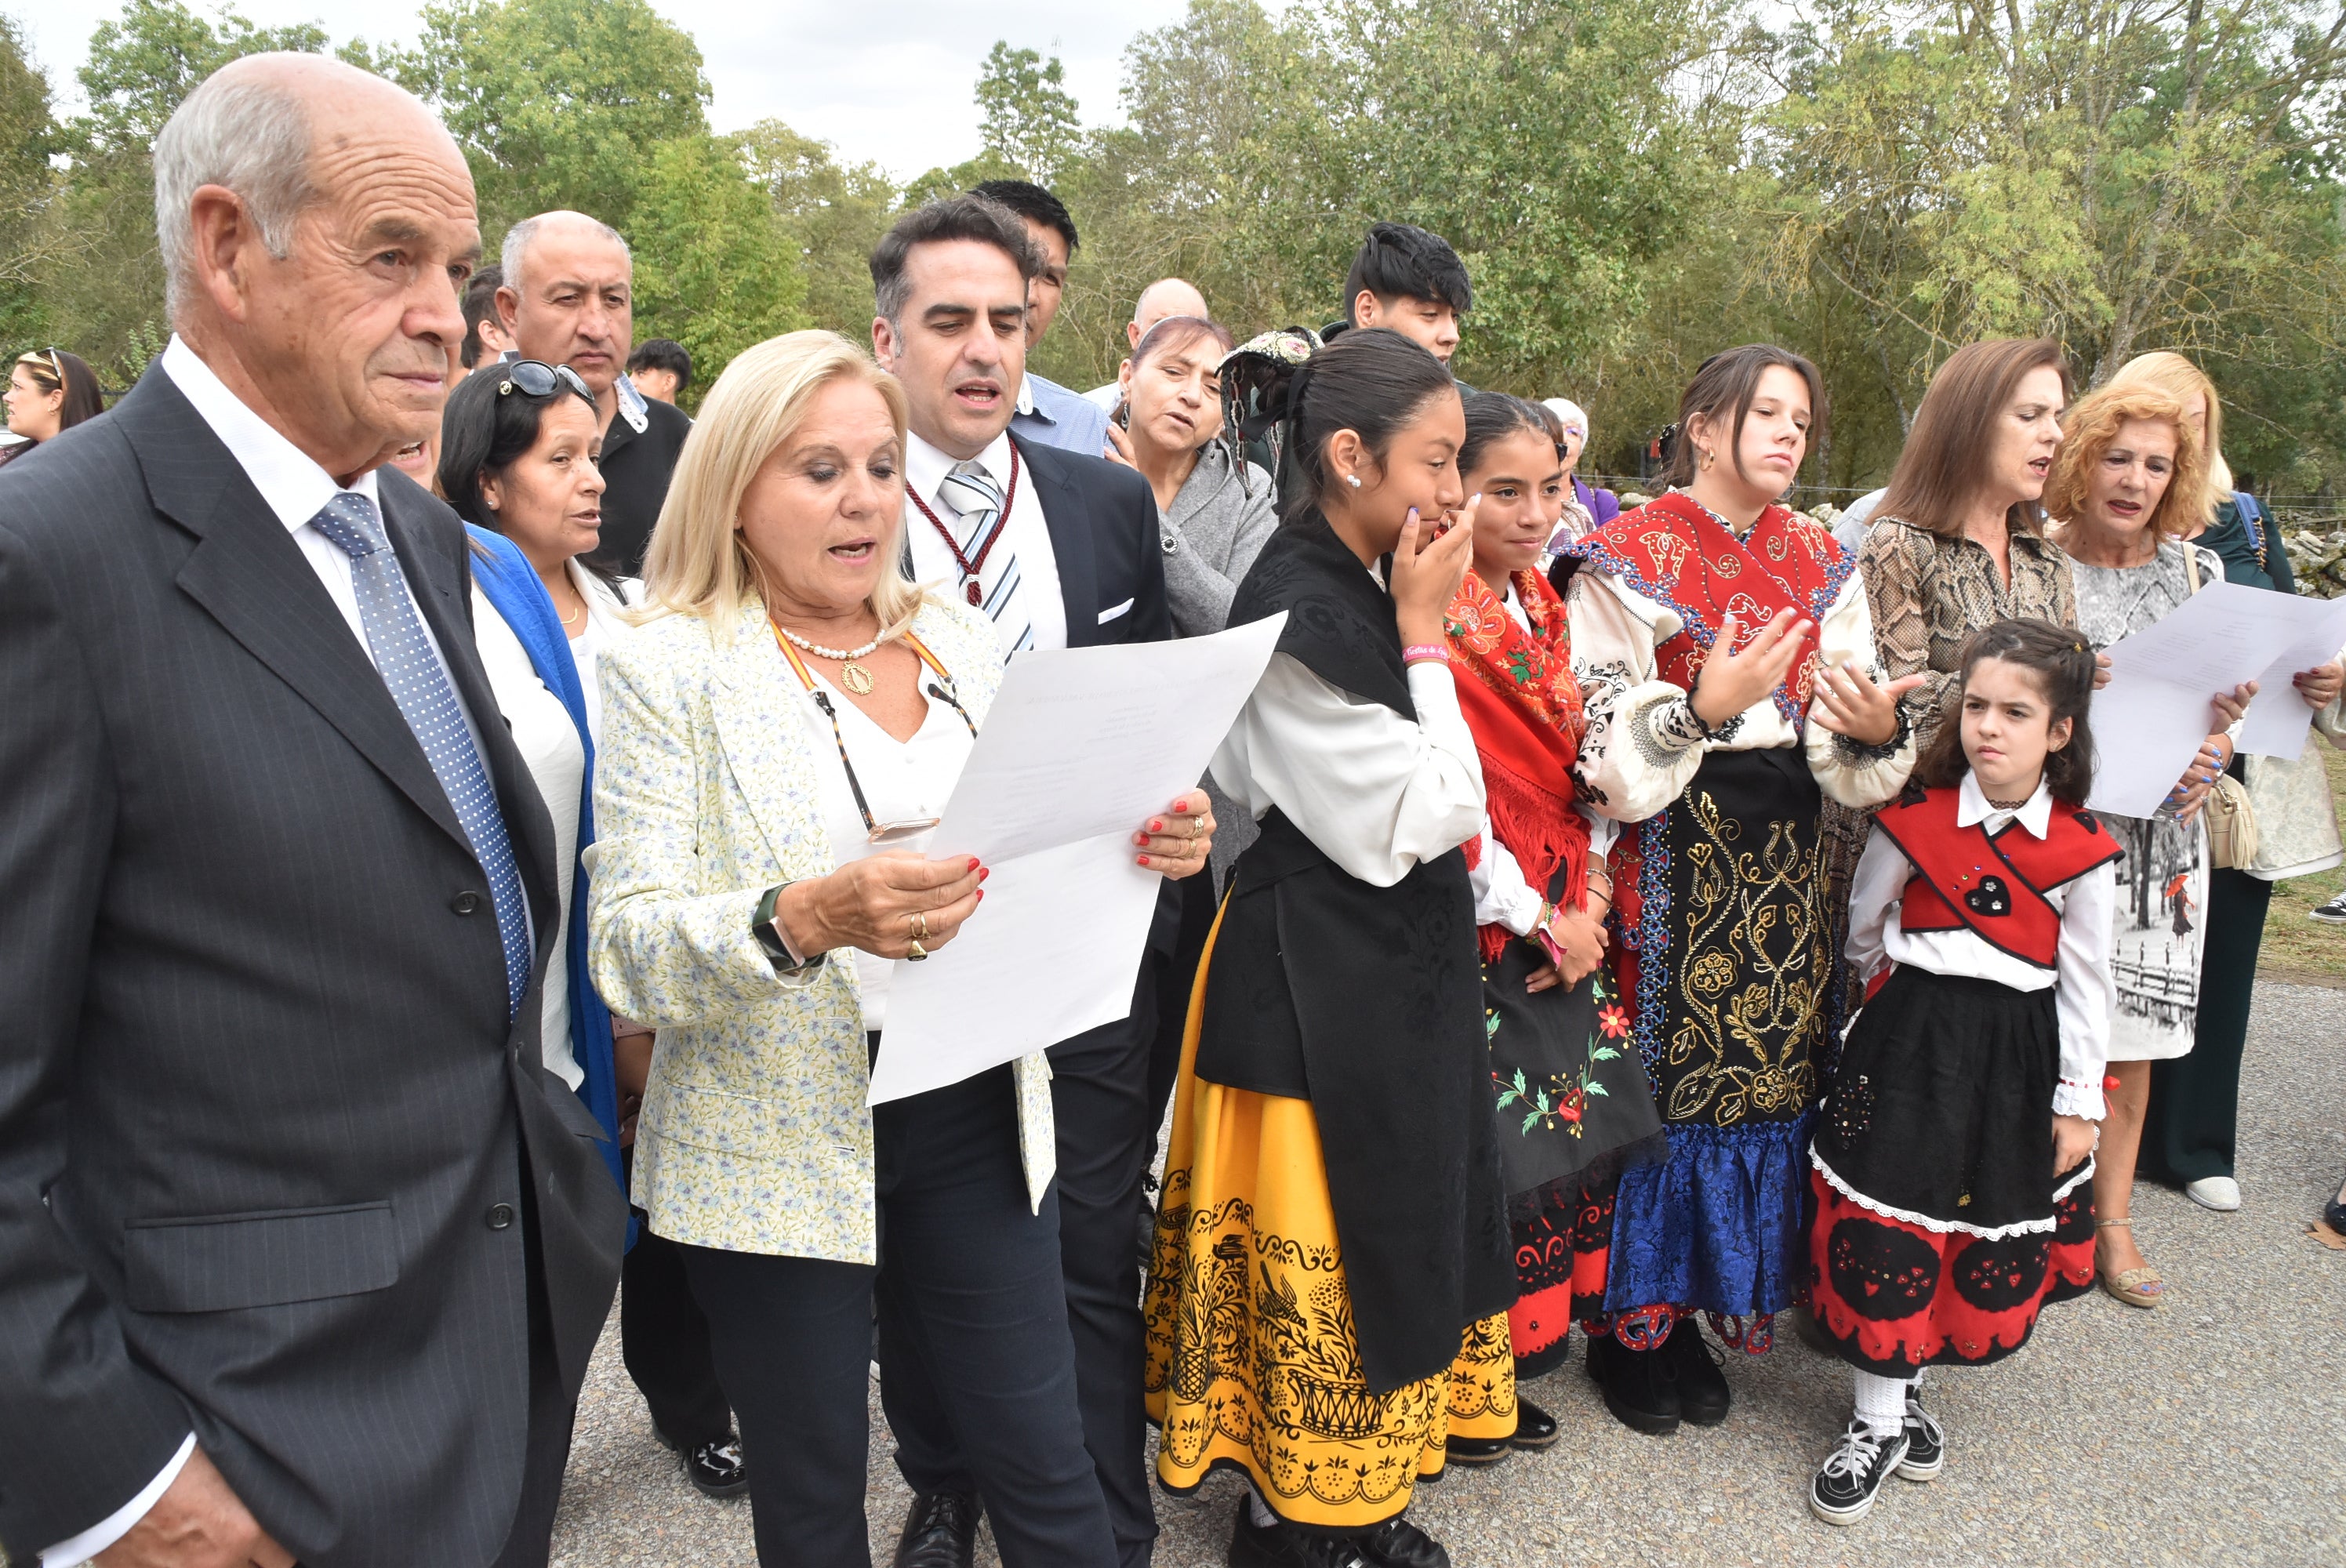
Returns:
<point x="1048" y="413"/>
<point x="661" y="368"/>
<point x="1412" y="281"/>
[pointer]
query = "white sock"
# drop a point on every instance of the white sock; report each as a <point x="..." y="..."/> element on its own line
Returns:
<point x="1259" y="1511"/>
<point x="1882" y="1403"/>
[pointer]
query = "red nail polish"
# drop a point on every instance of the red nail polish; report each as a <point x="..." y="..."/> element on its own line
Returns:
<point x="1155" y="826"/>
<point x="1143" y="859"/>
<point x="983" y="873"/>
<point x="981" y="895"/>
<point x="973" y="862"/>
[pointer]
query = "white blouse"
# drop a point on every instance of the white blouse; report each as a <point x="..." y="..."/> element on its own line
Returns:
<point x="1643" y="745"/>
<point x="2081" y="966"/>
<point x="1374" y="791"/>
<point x="605" y="625"/>
<point x="549" y="744"/>
<point x="903" y="781"/>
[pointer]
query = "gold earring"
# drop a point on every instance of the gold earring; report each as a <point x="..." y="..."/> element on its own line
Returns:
<point x="1706" y="457"/>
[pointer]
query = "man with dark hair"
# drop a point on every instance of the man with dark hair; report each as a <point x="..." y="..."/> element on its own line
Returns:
<point x="661" y="368"/>
<point x="485" y="335"/>
<point x="1049" y="411"/>
<point x="1412" y="281"/>
<point x="1061" y="550"/>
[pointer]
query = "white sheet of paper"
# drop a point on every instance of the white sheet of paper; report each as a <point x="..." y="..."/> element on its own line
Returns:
<point x="1080" y="748"/>
<point x="2149" y="720"/>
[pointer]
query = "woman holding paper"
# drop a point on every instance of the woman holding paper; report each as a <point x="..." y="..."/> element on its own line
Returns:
<point x="2190" y="1132"/>
<point x="779" y="737"/>
<point x="2127" y="483"/>
<point x="1575" y="1108"/>
<point x="1327" y="1305"/>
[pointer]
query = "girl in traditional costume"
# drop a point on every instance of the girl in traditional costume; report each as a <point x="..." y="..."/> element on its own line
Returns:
<point x="1575" y="1105"/>
<point x="1727" y="663"/>
<point x="1327" y="1304"/>
<point x="1947" y="1210"/>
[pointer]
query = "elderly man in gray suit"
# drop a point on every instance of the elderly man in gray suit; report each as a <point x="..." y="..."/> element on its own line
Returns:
<point x="301" y="1250"/>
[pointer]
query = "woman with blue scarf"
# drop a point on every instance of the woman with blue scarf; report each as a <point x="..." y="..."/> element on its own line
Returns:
<point x="518" y="462"/>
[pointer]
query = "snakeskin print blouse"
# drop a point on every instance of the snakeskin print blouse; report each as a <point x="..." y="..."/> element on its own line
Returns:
<point x="1930" y="593"/>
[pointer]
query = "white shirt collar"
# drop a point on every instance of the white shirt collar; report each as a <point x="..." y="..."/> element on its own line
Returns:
<point x="925" y="467"/>
<point x="1025" y="404"/>
<point x="288" y="478"/>
<point x="1972" y="807"/>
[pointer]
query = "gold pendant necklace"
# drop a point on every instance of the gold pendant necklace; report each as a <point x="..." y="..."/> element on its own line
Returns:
<point x="851" y="674"/>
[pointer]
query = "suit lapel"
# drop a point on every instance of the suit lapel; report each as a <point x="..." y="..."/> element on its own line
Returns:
<point x="1068" y="518"/>
<point x="444" y="596"/>
<point x="753" y="697"/>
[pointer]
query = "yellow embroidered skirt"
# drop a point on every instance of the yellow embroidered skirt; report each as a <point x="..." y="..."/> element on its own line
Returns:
<point x="1251" y="1358"/>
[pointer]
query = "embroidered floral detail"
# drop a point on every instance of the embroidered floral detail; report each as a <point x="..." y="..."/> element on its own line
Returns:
<point x="1614" y="1019"/>
<point x="1852" y="1110"/>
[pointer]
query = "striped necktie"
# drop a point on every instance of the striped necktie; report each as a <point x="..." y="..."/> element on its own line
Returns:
<point x="977" y="502"/>
<point x="419" y="684"/>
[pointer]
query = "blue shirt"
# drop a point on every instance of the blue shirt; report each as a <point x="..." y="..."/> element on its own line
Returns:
<point x="1054" y="416"/>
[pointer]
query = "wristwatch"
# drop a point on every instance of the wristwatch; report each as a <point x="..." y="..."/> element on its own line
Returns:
<point x="775" y="943"/>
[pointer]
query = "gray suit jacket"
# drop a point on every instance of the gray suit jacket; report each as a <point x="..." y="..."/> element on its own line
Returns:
<point x="271" y="1158"/>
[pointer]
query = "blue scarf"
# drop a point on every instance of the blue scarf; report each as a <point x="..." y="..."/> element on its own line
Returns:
<point x="508" y="582"/>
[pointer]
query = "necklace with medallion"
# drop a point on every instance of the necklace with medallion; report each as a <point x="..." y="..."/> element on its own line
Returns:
<point x="851" y="674"/>
<point x="973" y="566"/>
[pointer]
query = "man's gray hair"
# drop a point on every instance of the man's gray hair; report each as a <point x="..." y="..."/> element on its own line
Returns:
<point x="250" y="133"/>
<point x="522" y="235"/>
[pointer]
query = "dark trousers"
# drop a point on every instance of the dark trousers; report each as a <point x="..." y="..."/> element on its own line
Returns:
<point x="971" y="1277"/>
<point x="1099" y="1100"/>
<point x="2192" y="1126"/>
<point x="553" y="1411"/>
<point x="664" y="1340"/>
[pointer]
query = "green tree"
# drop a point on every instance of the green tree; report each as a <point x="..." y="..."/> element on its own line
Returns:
<point x="834" y="214"/>
<point x="1028" y="117"/>
<point x="715" y="266"/>
<point x="33" y="247"/>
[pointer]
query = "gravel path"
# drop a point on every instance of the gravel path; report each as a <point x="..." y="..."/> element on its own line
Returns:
<point x="2208" y="1432"/>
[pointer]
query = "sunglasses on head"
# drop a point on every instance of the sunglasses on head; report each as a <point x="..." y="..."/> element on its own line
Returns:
<point x="535" y="378"/>
<point x="46" y="360"/>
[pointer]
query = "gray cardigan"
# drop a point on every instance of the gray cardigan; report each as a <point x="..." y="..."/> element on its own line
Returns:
<point x="1220" y="521"/>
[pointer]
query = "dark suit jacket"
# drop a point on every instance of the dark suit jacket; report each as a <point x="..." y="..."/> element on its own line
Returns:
<point x="264" y="1126"/>
<point x="635" y="471"/>
<point x="1110" y="553"/>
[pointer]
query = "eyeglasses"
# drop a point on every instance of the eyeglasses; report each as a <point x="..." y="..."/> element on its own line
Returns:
<point x="886" y="833"/>
<point x="535" y="378"/>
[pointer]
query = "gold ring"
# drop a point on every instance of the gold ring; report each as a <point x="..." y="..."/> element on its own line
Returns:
<point x="1197" y="826"/>
<point x="920" y="925"/>
<point x="917" y="953"/>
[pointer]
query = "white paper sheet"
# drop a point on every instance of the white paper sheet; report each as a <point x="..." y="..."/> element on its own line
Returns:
<point x="2149" y="720"/>
<point x="1080" y="748"/>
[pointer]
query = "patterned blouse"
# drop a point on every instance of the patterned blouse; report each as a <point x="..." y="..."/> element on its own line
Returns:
<point x="1929" y="592"/>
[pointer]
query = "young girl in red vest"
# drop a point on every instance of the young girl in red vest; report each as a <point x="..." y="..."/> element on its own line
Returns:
<point x="1953" y="1163"/>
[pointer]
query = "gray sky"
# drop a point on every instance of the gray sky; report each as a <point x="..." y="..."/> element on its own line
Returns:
<point x="899" y="97"/>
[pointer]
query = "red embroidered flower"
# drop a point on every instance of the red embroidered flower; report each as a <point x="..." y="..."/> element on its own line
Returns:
<point x="1614" y="1021"/>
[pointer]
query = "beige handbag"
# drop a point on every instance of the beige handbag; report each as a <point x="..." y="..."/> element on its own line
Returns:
<point x="2229" y="820"/>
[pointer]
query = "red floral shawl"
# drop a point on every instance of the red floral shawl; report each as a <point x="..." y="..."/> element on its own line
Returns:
<point x="1517" y="692"/>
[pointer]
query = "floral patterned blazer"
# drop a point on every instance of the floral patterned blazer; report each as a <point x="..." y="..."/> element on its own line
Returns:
<point x="754" y="1136"/>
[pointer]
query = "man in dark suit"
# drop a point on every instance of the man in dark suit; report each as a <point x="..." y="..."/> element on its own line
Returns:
<point x="1061" y="550"/>
<point x="302" y="1252"/>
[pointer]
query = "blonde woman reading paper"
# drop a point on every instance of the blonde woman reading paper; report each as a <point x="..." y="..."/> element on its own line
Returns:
<point x="778" y="739"/>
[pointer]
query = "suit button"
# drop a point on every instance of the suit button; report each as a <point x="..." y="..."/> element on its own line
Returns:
<point x="465" y="903"/>
<point x="500" y="1216"/>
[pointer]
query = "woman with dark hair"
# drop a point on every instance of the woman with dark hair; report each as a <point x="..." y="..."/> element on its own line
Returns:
<point x="49" y="391"/>
<point x="1725" y="654"/>
<point x="1957" y="542"/>
<point x="1575" y="1105"/>
<point x="1326" y="1303"/>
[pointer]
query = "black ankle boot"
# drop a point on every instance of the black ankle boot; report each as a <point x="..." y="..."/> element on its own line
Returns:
<point x="1703" y="1394"/>
<point x="1638" y="1385"/>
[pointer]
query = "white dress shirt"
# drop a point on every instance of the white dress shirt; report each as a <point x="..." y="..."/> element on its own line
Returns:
<point x="296" y="490"/>
<point x="1025" y="534"/>
<point x="2081" y="965"/>
<point x="606" y="623"/>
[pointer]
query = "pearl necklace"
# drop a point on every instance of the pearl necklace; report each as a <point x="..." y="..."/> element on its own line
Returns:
<point x="854" y="675"/>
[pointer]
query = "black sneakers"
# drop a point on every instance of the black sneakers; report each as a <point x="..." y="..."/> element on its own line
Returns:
<point x="1640" y="1387"/>
<point x="1926" y="1443"/>
<point x="1852" y="1475"/>
<point x="1703" y="1396"/>
<point x="714" y="1468"/>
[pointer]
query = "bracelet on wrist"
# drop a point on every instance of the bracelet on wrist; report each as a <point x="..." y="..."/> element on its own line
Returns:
<point x="1426" y="653"/>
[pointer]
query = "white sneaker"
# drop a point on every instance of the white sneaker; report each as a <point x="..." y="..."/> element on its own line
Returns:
<point x="2221" y="1194"/>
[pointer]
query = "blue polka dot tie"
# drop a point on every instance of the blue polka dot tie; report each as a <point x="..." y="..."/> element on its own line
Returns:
<point x="419" y="684"/>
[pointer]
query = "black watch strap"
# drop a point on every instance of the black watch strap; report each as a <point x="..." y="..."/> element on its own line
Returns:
<point x="770" y="940"/>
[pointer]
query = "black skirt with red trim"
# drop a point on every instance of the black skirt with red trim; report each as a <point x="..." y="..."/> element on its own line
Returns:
<point x="1940" y="1225"/>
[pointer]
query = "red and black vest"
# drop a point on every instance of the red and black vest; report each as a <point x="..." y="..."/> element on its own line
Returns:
<point x="1992" y="884"/>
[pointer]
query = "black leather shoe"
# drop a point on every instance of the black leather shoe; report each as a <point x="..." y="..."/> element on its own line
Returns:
<point x="1638" y="1385"/>
<point x="1398" y="1543"/>
<point x="1256" y="1545"/>
<point x="1535" y="1428"/>
<point x="714" y="1468"/>
<point x="940" y="1532"/>
<point x="1703" y="1394"/>
<point x="2333" y="1212"/>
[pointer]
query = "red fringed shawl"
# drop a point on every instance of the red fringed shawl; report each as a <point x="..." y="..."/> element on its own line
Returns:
<point x="1520" y="699"/>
